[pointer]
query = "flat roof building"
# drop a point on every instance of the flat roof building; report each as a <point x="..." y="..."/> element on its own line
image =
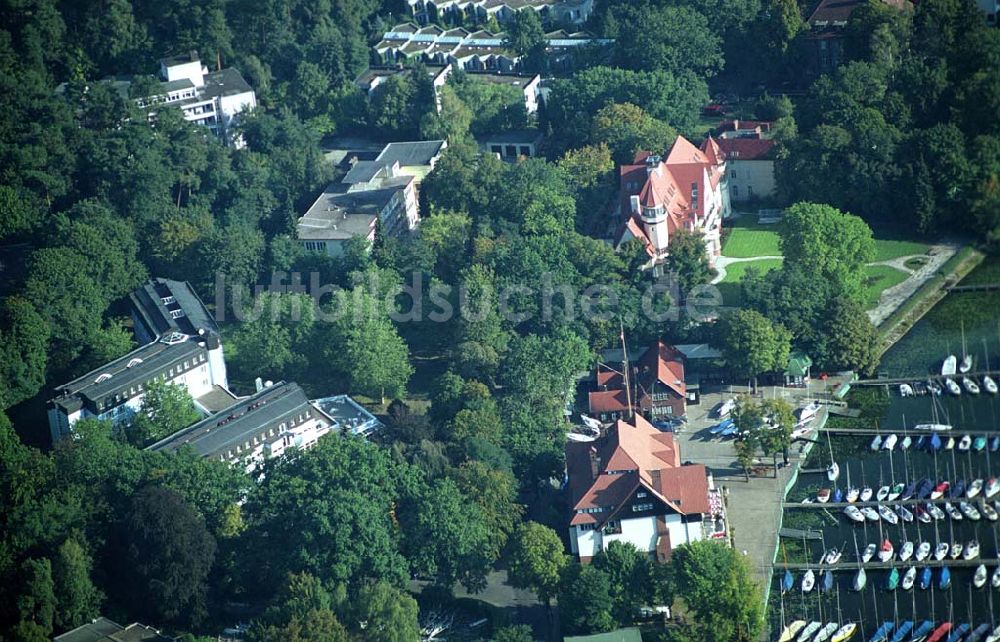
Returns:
<point x="104" y="630"/>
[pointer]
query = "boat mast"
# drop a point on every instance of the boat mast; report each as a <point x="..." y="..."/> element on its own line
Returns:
<point x="625" y="369"/>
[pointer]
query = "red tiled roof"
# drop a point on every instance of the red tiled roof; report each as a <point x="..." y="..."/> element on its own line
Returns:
<point x="607" y="401"/>
<point x="608" y="377"/>
<point x="666" y="363"/>
<point x="627" y="456"/>
<point x="733" y="125"/>
<point x="746" y="148"/>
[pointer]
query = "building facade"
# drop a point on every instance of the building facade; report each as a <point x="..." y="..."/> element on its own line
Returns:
<point x="267" y="424"/>
<point x="686" y="190"/>
<point x="749" y="154"/>
<point x="475" y="50"/>
<point x="629" y="486"/>
<point x="459" y="11"/>
<point x="382" y="192"/>
<point x="182" y="347"/>
<point x="212" y="99"/>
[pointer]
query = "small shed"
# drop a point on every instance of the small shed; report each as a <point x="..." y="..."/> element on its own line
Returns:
<point x="797" y="372"/>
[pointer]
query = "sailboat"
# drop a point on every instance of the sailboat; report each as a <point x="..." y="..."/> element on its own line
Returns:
<point x="923" y="551"/>
<point x="885" y="551"/>
<point x="860" y="580"/>
<point x="953" y="387"/>
<point x="966" y="363"/>
<point x="787" y="581"/>
<point x="909" y="578"/>
<point x="949" y="366"/>
<point x="978" y="633"/>
<point x="809" y="631"/>
<point x="921" y="632"/>
<point x="902" y="631"/>
<point x="942" y="630"/>
<point x="970" y="386"/>
<point x="979" y="577"/>
<point x="892" y="580"/>
<point x="808" y="581"/>
<point x="844" y="633"/>
<point x="974" y="488"/>
<point x="826" y="584"/>
<point x="958" y="632"/>
<point x="896" y="490"/>
<point x="869" y="553"/>
<point x="906" y="551"/>
<point x="926" y="578"/>
<point x="824" y="633"/>
<point x="792" y="630"/>
<point x="944" y="579"/>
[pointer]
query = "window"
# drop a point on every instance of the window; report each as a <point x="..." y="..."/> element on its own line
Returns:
<point x="736" y="191"/>
<point x="176" y="314"/>
<point x="187" y="364"/>
<point x="643" y="507"/>
<point x="641" y="494"/>
<point x="167" y="300"/>
<point x="749" y="191"/>
<point x="587" y="527"/>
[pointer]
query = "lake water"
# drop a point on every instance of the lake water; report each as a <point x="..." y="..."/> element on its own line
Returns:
<point x="920" y="352"/>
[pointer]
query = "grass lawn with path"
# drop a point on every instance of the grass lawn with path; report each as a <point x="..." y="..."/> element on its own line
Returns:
<point x="730" y="286"/>
<point x="747" y="239"/>
<point x="879" y="278"/>
<point x="886" y="249"/>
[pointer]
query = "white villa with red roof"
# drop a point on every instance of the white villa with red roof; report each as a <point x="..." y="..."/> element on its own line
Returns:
<point x="749" y="152"/>
<point x="630" y="486"/>
<point x="687" y="190"/>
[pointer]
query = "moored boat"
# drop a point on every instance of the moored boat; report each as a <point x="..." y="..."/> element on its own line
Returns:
<point x="909" y="491"/>
<point x="896" y="490"/>
<point x="838" y="496"/>
<point x="992" y="487"/>
<point x="979" y="444"/>
<point x="905" y="442"/>
<point x="994" y="635"/>
<point x="965" y="443"/>
<point x="934" y="387"/>
<point x="921" y="631"/>
<point x="886" y="551"/>
<point x="949" y="366"/>
<point x="905" y="551"/>
<point x="979" y="577"/>
<point x="989" y="512"/>
<point x="844" y="633"/>
<point x="958" y="632"/>
<point x="940" y="490"/>
<point x="860" y="580"/>
<point x="995" y="578"/>
<point x="923" y="551"/>
<point x="956" y="550"/>
<point x="942" y="630"/>
<point x="823" y="495"/>
<point x="975" y="487"/>
<point x="922" y="515"/>
<point x="935" y="443"/>
<point x="832" y="556"/>
<point x="971" y="550"/>
<point x="944" y="579"/>
<point x="870" y="513"/>
<point x="868" y="553"/>
<point x="886" y="513"/>
<point x="905" y="390"/>
<point x="792" y="630"/>
<point x="890" y="442"/>
<point x="902" y="631"/>
<point x="990" y="385"/>
<point x="969" y="511"/>
<point x="935" y="512"/>
<point x="953" y="388"/>
<point x="970" y="386"/>
<point x="881" y="634"/>
<point x="809" y="631"/>
<point x="978" y="633"/>
<point x="892" y="580"/>
<point x="808" y="581"/>
<point x="824" y="633"/>
<point x="787" y="581"/>
<point x="924" y="488"/>
<point x="941" y="551"/>
<point x="953" y="512"/>
<point x="958" y="489"/>
<point x="882" y="494"/>
<point x="876" y="442"/>
<point x="932" y="426"/>
<point x="826" y="584"/>
<point x="854" y="514"/>
<point x="966" y="364"/>
<point x="926" y="578"/>
<point x="909" y="578"/>
<point x="833" y="471"/>
<point x="866" y="494"/>
<point x="904" y="513"/>
<point x="852" y="495"/>
<point x="994" y="443"/>
<point x="950" y="444"/>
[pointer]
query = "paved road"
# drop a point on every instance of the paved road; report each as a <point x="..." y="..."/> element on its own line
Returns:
<point x="723" y="261"/>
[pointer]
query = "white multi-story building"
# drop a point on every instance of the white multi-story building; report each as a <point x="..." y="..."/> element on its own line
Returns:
<point x="630" y="486"/>
<point x="686" y="190"/>
<point x="267" y="424"/>
<point x="457" y="11"/>
<point x="382" y="191"/>
<point x="749" y="153"/>
<point x="181" y="346"/>
<point x="213" y="99"/>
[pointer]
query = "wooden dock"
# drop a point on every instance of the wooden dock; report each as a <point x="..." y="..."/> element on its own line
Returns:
<point x="876" y="565"/>
<point x="943" y="434"/>
<point x="798" y="533"/>
<point x="975" y="501"/>
<point x="976" y="376"/>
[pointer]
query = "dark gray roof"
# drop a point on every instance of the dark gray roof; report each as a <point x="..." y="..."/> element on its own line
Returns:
<point x="243" y="420"/>
<point x="137" y="367"/>
<point x="104" y="630"/>
<point x="410" y="153"/>
<point x="348" y="413"/>
<point x="226" y="82"/>
<point x="152" y="312"/>
<point x="516" y="80"/>
<point x="174" y="85"/>
<point x="343" y="215"/>
<point x="362" y="172"/>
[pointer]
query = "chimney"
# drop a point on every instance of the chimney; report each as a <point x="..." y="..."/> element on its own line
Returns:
<point x="595" y="462"/>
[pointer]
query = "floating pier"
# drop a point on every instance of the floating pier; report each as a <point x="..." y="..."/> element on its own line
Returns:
<point x="896" y="502"/>
<point x="876" y="565"/>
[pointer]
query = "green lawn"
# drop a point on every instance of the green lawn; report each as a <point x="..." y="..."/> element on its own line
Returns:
<point x="879" y="278"/>
<point x="886" y="249"/>
<point x="730" y="286"/>
<point x="748" y="239"/>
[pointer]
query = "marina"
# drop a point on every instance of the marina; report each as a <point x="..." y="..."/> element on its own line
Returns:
<point x="896" y="596"/>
